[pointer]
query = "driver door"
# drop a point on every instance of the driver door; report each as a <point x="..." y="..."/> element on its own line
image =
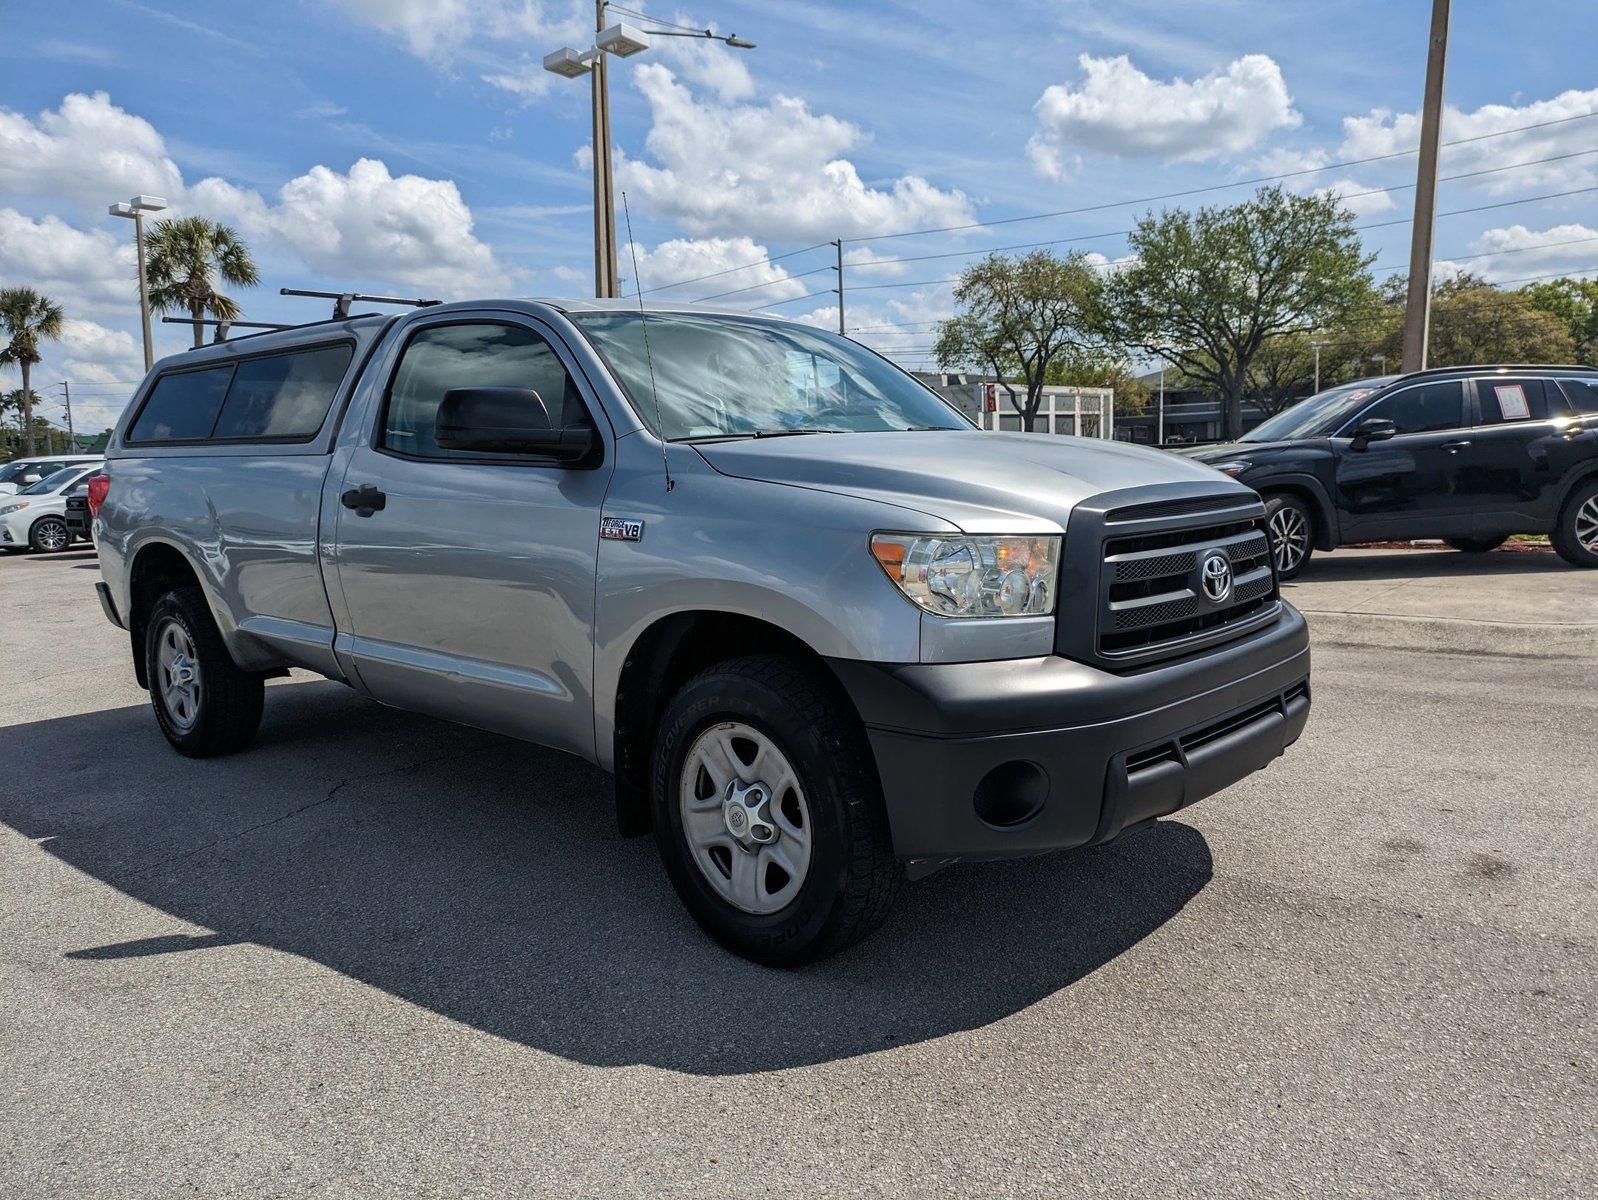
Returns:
<point x="468" y="577"/>
<point x="1414" y="484"/>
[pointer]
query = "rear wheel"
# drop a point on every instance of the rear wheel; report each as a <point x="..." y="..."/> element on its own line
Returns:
<point x="768" y="813"/>
<point x="1292" y="532"/>
<point x="49" y="535"/>
<point x="206" y="706"/>
<point x="1476" y="545"/>
<point x="1576" y="534"/>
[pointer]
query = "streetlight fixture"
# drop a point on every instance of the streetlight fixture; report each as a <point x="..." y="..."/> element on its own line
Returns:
<point x="623" y="41"/>
<point x="135" y="210"/>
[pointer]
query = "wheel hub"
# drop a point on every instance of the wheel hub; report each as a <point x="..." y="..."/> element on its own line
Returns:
<point x="746" y="811"/>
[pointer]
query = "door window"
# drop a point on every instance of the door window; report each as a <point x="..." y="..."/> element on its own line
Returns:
<point x="443" y="357"/>
<point x="1425" y="408"/>
<point x="1582" y="394"/>
<point x="1504" y="400"/>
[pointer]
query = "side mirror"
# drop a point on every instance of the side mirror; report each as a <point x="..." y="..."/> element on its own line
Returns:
<point x="1377" y="429"/>
<point x="503" y="420"/>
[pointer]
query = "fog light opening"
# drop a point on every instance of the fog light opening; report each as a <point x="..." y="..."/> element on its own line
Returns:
<point x="1011" y="794"/>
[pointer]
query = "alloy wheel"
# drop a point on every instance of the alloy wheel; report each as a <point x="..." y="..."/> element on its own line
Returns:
<point x="745" y="817"/>
<point x="52" y="535"/>
<point x="1289" y="538"/>
<point x="1587" y="525"/>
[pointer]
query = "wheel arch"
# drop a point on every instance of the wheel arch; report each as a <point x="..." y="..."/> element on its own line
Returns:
<point x="156" y="569"/>
<point x="1310" y="490"/>
<point x="664" y="656"/>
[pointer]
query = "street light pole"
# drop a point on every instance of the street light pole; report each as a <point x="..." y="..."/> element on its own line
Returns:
<point x="72" y="438"/>
<point x="135" y="209"/>
<point x="622" y="41"/>
<point x="1417" y="305"/>
<point x="1317" y="346"/>
<point x="839" y="243"/>
<point x="1160" y="432"/>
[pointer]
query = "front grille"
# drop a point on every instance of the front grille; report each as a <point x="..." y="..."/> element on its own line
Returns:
<point x="1153" y="599"/>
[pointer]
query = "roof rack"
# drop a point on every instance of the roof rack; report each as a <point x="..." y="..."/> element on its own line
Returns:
<point x="343" y="300"/>
<point x="223" y="327"/>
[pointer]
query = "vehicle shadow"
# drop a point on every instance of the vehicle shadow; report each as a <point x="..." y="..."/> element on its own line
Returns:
<point x="483" y="879"/>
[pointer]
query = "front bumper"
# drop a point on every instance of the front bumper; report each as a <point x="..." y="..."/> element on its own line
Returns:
<point x="999" y="759"/>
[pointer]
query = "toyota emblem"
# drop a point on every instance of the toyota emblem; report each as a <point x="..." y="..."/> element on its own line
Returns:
<point x="1215" y="576"/>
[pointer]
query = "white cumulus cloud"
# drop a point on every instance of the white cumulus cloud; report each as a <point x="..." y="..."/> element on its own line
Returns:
<point x="739" y="265"/>
<point x="87" y="151"/>
<point x="82" y="270"/>
<point x="769" y="170"/>
<point x="1515" y="252"/>
<point x="1381" y="131"/>
<point x="1119" y="110"/>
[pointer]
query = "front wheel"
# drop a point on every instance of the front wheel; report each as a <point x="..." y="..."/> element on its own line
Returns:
<point x="49" y="535"/>
<point x="1576" y="534"/>
<point x="206" y="706"/>
<point x="1475" y="545"/>
<point x="1292" y="528"/>
<point x="768" y="813"/>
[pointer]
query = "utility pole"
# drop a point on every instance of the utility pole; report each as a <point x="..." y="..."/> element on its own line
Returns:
<point x="1317" y="387"/>
<point x="1417" y="306"/>
<point x="72" y="438"/>
<point x="838" y="242"/>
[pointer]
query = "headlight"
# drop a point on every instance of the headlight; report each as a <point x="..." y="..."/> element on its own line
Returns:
<point x="972" y="576"/>
<point x="1234" y="468"/>
<point x="11" y="508"/>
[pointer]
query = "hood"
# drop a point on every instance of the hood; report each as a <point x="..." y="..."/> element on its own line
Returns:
<point x="980" y="482"/>
<point x="1228" y="450"/>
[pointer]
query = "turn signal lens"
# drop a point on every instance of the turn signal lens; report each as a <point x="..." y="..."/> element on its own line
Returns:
<point x="983" y="576"/>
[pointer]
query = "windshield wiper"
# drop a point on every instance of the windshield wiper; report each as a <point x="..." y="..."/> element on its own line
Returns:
<point x="768" y="433"/>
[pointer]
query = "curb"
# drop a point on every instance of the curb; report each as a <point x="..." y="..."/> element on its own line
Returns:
<point x="1453" y="635"/>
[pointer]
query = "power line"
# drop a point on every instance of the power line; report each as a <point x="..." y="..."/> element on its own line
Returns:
<point x="1336" y="166"/>
<point x="729" y="270"/>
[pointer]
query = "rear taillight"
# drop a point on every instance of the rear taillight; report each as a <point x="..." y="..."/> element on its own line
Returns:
<point x="99" y="485"/>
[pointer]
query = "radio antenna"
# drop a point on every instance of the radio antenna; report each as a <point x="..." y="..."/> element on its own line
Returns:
<point x="643" y="323"/>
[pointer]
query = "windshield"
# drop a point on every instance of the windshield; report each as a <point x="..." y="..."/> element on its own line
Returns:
<point x="724" y="376"/>
<point x="1319" y="416"/>
<point x="11" y="472"/>
<point x="51" y="483"/>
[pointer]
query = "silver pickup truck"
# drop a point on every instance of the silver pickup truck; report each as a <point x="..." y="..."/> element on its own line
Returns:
<point x="823" y="632"/>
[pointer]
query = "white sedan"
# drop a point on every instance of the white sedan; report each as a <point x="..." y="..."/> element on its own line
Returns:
<point x="36" y="516"/>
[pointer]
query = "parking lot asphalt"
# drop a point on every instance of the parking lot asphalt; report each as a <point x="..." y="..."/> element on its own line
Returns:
<point x="1525" y="603"/>
<point x="379" y="955"/>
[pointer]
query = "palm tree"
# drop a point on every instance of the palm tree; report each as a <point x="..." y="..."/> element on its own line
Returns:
<point x="186" y="254"/>
<point x="27" y="317"/>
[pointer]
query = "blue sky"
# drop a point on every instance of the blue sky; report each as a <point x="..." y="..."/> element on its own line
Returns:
<point x="415" y="145"/>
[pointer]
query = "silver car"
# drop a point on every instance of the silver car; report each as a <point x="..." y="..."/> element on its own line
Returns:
<point x="824" y="633"/>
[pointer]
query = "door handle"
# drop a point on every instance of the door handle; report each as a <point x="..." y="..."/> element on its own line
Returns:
<point x="1456" y="447"/>
<point x="365" y="500"/>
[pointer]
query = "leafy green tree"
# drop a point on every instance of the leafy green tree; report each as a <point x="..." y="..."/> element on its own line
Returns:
<point x="1207" y="290"/>
<point x="1574" y="301"/>
<point x="27" y="318"/>
<point x="188" y="257"/>
<point x="1474" y="322"/>
<point x="1018" y="317"/>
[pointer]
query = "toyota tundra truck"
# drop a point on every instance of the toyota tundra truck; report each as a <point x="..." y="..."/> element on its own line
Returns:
<point x="824" y="633"/>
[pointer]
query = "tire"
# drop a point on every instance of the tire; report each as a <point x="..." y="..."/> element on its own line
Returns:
<point x="1291" y="527"/>
<point x="182" y="643"/>
<point x="826" y="820"/>
<point x="49" y="535"/>
<point x="1475" y="545"/>
<point x="1575" y="536"/>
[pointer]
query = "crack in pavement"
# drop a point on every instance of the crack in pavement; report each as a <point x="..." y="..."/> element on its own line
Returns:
<point x="331" y="793"/>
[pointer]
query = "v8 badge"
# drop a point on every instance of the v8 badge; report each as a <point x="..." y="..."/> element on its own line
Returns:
<point x="621" y="529"/>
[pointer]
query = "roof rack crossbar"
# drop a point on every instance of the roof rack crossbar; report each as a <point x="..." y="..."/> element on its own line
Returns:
<point x="222" y="327"/>
<point x="343" y="300"/>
